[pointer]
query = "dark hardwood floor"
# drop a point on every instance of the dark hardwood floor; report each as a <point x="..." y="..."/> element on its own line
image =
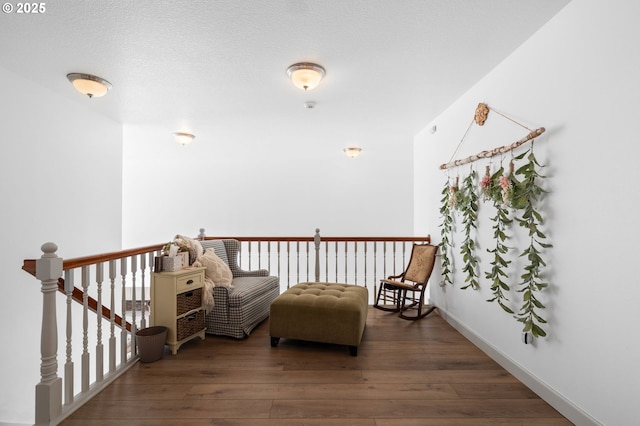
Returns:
<point x="406" y="373"/>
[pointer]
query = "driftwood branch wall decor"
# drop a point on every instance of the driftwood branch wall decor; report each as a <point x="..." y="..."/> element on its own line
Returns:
<point x="482" y="111"/>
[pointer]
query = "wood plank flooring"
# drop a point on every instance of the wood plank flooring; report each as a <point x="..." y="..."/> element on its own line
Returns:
<point x="406" y="373"/>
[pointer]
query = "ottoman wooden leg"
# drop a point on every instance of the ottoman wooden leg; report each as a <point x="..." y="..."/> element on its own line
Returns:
<point x="353" y="350"/>
<point x="274" y="341"/>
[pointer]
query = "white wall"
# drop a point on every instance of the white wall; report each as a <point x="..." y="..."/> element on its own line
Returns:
<point x="60" y="181"/>
<point x="219" y="184"/>
<point x="577" y="77"/>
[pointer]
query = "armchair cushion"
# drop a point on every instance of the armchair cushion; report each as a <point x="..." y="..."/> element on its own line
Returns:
<point x="217" y="270"/>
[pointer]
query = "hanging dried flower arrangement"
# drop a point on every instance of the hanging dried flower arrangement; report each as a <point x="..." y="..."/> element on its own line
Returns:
<point x="498" y="187"/>
<point x="515" y="197"/>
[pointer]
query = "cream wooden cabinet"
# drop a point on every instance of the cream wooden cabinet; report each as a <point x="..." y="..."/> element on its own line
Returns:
<point x="176" y="303"/>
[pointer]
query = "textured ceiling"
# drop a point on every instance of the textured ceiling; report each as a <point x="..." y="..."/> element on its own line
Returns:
<point x="392" y="65"/>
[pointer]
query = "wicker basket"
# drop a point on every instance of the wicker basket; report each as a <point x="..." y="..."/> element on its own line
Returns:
<point x="150" y="342"/>
<point x="191" y="324"/>
<point x="188" y="301"/>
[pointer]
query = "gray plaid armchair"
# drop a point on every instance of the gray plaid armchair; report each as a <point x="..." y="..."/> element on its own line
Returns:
<point x="239" y="309"/>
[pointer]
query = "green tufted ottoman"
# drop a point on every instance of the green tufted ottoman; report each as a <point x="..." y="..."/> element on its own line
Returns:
<point x="320" y="312"/>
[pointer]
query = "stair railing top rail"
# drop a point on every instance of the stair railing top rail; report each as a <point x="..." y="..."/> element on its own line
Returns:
<point x="29" y="265"/>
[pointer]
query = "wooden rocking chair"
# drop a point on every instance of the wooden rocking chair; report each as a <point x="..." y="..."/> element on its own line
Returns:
<point x="410" y="286"/>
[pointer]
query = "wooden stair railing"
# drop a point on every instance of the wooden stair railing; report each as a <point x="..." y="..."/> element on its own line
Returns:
<point x="29" y="266"/>
<point x="315" y="244"/>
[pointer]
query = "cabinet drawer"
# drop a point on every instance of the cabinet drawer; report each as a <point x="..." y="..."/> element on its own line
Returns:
<point x="191" y="324"/>
<point x="188" y="301"/>
<point x="189" y="282"/>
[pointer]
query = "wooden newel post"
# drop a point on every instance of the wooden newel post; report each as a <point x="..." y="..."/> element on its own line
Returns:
<point x="49" y="390"/>
<point x="316" y="243"/>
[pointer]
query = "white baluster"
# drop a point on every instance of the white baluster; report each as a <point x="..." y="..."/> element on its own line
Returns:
<point x="404" y="251"/>
<point x="384" y="259"/>
<point x="68" y="366"/>
<point x="85" y="329"/>
<point x="326" y="261"/>
<point x="134" y="270"/>
<point x="297" y="261"/>
<point x="99" y="346"/>
<point x="49" y="390"/>
<point x="288" y="262"/>
<point x="316" y="244"/>
<point x="112" y="318"/>
<point x="375" y="269"/>
<point x="278" y="248"/>
<point x="336" y="246"/>
<point x="346" y="262"/>
<point x="307" y="253"/>
<point x="123" y="333"/>
<point x="143" y="323"/>
<point x="365" y="264"/>
<point x="355" y="262"/>
<point x="269" y="255"/>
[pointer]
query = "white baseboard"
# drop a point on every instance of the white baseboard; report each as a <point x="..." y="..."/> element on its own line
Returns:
<point x="564" y="406"/>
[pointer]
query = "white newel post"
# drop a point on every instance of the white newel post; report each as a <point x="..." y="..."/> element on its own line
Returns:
<point x="316" y="243"/>
<point x="49" y="390"/>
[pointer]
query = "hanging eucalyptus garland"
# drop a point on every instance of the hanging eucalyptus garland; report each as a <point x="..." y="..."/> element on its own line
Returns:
<point x="446" y="232"/>
<point x="468" y="205"/>
<point x="493" y="188"/>
<point x="526" y="194"/>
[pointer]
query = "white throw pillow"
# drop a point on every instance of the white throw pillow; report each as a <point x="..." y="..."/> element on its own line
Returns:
<point x="217" y="271"/>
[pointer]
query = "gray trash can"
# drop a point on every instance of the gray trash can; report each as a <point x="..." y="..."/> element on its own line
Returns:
<point x="151" y="343"/>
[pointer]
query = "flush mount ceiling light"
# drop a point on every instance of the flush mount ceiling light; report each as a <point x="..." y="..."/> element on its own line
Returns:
<point x="352" y="151"/>
<point x="89" y="85"/>
<point x="305" y="75"/>
<point x="183" y="138"/>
